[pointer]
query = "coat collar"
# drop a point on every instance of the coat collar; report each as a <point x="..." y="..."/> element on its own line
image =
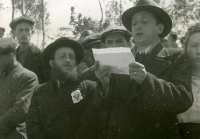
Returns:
<point x="157" y="60"/>
<point x="62" y="101"/>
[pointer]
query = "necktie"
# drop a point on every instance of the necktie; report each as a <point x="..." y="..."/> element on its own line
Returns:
<point x="140" y="57"/>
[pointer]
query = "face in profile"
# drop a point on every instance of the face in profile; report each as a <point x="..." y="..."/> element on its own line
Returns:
<point x="115" y="40"/>
<point x="193" y="49"/>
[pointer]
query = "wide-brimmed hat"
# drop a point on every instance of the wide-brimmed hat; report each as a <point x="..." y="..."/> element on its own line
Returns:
<point x="63" y="42"/>
<point x="20" y="19"/>
<point x="115" y="29"/>
<point x="150" y="6"/>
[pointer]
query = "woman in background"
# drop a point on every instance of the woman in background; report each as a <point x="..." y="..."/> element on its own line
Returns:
<point x="190" y="120"/>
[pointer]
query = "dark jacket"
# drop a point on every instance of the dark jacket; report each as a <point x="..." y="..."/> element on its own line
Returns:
<point x="53" y="115"/>
<point x="15" y="96"/>
<point x="34" y="63"/>
<point x="149" y="110"/>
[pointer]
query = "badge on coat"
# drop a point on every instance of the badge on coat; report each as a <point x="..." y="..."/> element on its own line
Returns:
<point x="76" y="96"/>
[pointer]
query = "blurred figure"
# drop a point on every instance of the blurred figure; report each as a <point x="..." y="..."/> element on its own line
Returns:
<point x="92" y="41"/>
<point x="190" y="120"/>
<point x="84" y="34"/>
<point x="165" y="42"/>
<point x="85" y="68"/>
<point x="172" y="38"/>
<point x="116" y="36"/>
<point x="182" y="41"/>
<point x="16" y="87"/>
<point x="2" y="30"/>
<point x="63" y="108"/>
<point x="29" y="55"/>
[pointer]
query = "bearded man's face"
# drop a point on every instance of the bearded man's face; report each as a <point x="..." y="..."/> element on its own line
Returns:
<point x="64" y="65"/>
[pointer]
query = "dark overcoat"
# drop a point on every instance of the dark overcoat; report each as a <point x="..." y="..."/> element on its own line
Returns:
<point x="54" y="115"/>
<point x="15" y="97"/>
<point x="34" y="63"/>
<point x="148" y="110"/>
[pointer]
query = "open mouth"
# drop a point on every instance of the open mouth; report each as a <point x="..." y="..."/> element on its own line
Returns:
<point x="139" y="34"/>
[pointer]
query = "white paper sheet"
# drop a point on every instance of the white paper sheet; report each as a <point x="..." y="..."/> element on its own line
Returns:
<point x="117" y="59"/>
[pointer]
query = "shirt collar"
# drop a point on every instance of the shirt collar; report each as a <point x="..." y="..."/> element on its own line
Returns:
<point x="148" y="48"/>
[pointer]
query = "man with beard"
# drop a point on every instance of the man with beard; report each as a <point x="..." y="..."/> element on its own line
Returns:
<point x="63" y="107"/>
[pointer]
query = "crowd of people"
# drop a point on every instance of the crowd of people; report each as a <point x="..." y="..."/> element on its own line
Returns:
<point x="62" y="92"/>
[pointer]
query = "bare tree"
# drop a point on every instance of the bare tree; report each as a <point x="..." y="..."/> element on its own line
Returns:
<point x="13" y="9"/>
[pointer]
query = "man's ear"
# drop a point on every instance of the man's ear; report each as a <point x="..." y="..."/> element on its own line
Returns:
<point x="51" y="63"/>
<point x="160" y="28"/>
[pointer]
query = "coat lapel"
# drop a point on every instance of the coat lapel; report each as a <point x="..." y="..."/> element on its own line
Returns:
<point x="157" y="61"/>
<point x="12" y="77"/>
<point x="64" y="99"/>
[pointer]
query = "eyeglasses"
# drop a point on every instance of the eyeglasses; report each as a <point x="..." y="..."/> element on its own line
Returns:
<point x="66" y="56"/>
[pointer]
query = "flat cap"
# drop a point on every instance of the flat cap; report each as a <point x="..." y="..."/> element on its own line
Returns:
<point x="7" y="45"/>
<point x="95" y="37"/>
<point x="115" y="29"/>
<point x="14" y="23"/>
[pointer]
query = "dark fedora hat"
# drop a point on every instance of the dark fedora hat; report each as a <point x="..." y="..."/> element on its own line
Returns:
<point x="62" y="42"/>
<point x="150" y="6"/>
<point x="16" y="21"/>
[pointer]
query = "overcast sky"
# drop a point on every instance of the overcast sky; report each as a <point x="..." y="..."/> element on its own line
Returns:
<point x="59" y="12"/>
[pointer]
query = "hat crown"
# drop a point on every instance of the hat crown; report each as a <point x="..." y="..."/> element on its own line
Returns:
<point x="147" y="2"/>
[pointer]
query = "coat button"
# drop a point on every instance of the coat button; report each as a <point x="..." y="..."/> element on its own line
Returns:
<point x="67" y="119"/>
<point x="157" y="125"/>
<point x="114" y="123"/>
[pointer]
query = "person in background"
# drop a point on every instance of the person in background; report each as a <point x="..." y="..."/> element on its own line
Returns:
<point x="144" y="104"/>
<point x="63" y="107"/>
<point x="165" y="42"/>
<point x="86" y="66"/>
<point x="172" y="38"/>
<point x="182" y="41"/>
<point x="16" y="88"/>
<point x="116" y="36"/>
<point x="29" y="55"/>
<point x="190" y="119"/>
<point x="84" y="34"/>
<point x="2" y="31"/>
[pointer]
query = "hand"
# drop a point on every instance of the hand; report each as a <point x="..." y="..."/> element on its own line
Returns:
<point x="137" y="72"/>
<point x="82" y="67"/>
<point x="102" y="73"/>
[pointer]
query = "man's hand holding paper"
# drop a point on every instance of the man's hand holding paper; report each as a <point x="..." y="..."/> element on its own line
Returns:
<point x="117" y="60"/>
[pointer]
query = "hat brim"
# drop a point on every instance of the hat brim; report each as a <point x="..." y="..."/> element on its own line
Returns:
<point x="13" y="24"/>
<point x="51" y="48"/>
<point x="160" y="13"/>
<point x="126" y="33"/>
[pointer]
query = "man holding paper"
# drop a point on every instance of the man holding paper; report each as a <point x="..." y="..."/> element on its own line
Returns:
<point x="144" y="103"/>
